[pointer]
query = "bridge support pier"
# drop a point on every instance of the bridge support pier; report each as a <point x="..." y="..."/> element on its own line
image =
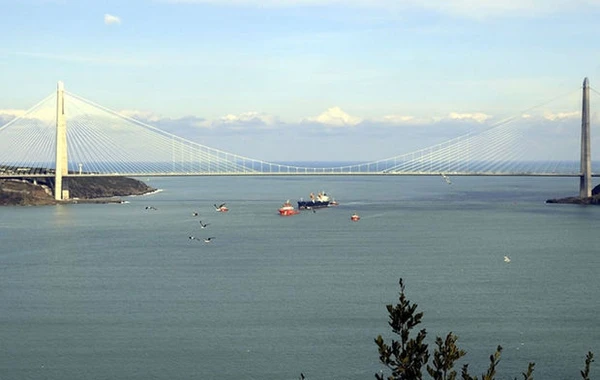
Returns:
<point x="61" y="191"/>
<point x="585" y="179"/>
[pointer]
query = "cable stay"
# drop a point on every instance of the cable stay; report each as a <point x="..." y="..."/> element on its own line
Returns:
<point x="105" y="142"/>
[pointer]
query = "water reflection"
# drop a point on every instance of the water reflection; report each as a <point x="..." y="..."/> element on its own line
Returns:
<point x="63" y="215"/>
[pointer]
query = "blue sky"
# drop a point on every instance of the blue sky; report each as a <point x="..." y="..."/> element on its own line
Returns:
<point x="343" y="79"/>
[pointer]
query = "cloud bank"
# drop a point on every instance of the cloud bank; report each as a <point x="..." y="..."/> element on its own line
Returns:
<point x="7" y="115"/>
<point x="336" y="135"/>
<point x="463" y="8"/>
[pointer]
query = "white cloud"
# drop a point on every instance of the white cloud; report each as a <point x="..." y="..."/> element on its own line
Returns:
<point x="12" y="112"/>
<point x="9" y="114"/>
<point x="110" y="19"/>
<point x="562" y="115"/>
<point x="478" y="116"/>
<point x="450" y="125"/>
<point x="398" y="119"/>
<point x="248" y="116"/>
<point x="487" y="8"/>
<point x="335" y="117"/>
<point x="42" y="114"/>
<point x="464" y="8"/>
<point x="257" y="134"/>
<point x="145" y="116"/>
<point x="244" y="120"/>
<point x="251" y="121"/>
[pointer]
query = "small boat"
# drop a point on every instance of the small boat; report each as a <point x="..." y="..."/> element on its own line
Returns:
<point x="221" y="208"/>
<point x="355" y="217"/>
<point x="287" y="209"/>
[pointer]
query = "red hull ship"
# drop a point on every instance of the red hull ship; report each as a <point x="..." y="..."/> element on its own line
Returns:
<point x="287" y="209"/>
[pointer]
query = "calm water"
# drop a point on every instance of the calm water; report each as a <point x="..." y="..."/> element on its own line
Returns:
<point x="120" y="292"/>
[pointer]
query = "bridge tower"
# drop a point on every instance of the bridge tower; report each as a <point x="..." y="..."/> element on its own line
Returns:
<point x="61" y="190"/>
<point x="585" y="179"/>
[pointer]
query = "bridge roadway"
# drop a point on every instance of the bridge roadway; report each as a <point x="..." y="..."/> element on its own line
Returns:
<point x="278" y="174"/>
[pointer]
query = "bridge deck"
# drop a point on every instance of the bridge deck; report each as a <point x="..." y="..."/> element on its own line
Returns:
<point x="342" y="174"/>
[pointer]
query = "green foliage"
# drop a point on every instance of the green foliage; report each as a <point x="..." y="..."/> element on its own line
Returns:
<point x="529" y="374"/>
<point x="494" y="360"/>
<point x="589" y="359"/>
<point x="407" y="357"/>
<point x="444" y="357"/>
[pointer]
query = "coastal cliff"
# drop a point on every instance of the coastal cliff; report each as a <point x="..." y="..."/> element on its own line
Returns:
<point x="82" y="190"/>
<point x="593" y="200"/>
<point x="104" y="187"/>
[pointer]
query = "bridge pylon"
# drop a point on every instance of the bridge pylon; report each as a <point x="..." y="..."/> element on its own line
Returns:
<point x="61" y="190"/>
<point x="585" y="179"/>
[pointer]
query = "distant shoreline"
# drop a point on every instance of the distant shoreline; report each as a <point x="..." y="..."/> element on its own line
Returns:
<point x="26" y="192"/>
<point x="593" y="200"/>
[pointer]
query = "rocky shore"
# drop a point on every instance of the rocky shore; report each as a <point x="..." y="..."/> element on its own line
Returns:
<point x="593" y="200"/>
<point x="82" y="190"/>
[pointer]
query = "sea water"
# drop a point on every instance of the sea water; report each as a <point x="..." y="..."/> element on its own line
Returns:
<point x="118" y="291"/>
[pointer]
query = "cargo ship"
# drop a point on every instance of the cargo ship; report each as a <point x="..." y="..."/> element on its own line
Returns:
<point x="319" y="201"/>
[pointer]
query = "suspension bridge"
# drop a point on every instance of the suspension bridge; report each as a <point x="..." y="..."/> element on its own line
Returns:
<point x="66" y="135"/>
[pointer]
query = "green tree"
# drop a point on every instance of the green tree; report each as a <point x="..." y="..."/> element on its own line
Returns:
<point x="407" y="357"/>
<point x="589" y="359"/>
